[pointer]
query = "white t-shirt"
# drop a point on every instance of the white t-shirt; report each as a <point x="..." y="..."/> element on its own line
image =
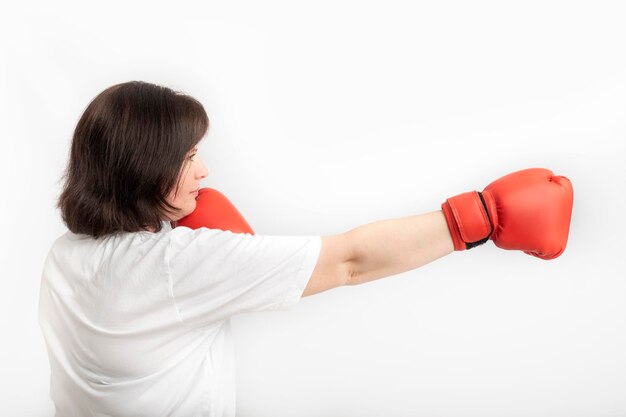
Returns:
<point x="138" y="324"/>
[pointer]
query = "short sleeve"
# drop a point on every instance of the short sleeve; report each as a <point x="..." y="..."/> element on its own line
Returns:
<point x="215" y="274"/>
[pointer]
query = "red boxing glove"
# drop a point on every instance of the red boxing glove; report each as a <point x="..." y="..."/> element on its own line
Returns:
<point x="215" y="211"/>
<point x="528" y="210"/>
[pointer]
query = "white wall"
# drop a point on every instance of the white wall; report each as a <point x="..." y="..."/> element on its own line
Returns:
<point x="327" y="115"/>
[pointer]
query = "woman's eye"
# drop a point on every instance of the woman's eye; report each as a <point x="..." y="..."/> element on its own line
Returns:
<point x="191" y="157"/>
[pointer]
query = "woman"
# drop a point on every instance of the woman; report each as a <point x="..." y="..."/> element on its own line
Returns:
<point x="136" y="314"/>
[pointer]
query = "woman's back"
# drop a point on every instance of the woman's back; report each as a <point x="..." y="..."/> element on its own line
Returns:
<point x="135" y="326"/>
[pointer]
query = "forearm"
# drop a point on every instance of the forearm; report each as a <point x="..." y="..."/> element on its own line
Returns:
<point x="390" y="247"/>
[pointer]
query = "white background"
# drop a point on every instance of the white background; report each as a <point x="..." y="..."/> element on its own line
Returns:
<point x="327" y="115"/>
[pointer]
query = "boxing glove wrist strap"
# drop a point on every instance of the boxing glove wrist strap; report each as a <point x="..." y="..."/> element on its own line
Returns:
<point x="468" y="220"/>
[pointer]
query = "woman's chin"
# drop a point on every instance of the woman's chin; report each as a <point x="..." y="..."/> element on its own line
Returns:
<point x="187" y="211"/>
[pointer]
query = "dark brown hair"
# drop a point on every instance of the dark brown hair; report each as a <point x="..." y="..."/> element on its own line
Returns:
<point x="128" y="151"/>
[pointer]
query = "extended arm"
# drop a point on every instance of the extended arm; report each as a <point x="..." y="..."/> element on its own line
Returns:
<point x="527" y="210"/>
<point x="390" y="247"/>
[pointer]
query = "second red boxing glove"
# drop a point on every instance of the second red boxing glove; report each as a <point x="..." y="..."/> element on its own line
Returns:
<point x="215" y="211"/>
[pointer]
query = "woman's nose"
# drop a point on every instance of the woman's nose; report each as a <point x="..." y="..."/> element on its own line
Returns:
<point x="203" y="172"/>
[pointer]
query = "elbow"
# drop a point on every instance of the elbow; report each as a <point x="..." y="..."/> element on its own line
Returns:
<point x="352" y="259"/>
<point x="352" y="276"/>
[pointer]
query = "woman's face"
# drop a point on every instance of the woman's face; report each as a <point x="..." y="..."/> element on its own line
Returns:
<point x="189" y="183"/>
